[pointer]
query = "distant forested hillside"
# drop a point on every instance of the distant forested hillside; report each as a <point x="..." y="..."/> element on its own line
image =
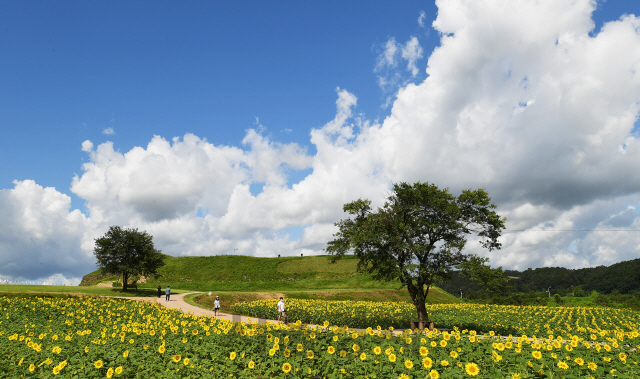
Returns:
<point x="623" y="277"/>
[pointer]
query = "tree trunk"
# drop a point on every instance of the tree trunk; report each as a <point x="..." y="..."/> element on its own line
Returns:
<point x="423" y="315"/>
<point x="125" y="279"/>
<point x="418" y="298"/>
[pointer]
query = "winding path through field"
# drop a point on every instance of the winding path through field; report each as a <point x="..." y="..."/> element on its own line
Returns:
<point x="177" y="302"/>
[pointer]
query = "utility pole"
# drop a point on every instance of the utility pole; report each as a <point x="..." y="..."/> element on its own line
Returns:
<point x="460" y="293"/>
<point x="549" y="291"/>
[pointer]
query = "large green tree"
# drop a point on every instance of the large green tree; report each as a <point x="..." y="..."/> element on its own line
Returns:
<point x="127" y="252"/>
<point x="417" y="236"/>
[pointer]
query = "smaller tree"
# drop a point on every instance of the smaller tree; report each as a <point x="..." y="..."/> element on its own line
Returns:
<point x="127" y="252"/>
<point x="477" y="269"/>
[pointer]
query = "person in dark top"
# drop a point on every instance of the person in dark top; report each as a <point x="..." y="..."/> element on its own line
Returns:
<point x="159" y="291"/>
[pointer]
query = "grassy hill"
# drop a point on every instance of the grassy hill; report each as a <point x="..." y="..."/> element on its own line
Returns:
<point x="313" y="276"/>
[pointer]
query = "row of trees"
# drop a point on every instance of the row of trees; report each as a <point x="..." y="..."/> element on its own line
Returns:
<point x="623" y="277"/>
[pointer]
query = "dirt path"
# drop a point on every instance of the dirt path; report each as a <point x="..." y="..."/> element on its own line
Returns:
<point x="177" y="302"/>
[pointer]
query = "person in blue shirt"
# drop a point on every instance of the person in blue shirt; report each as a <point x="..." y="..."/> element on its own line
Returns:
<point x="168" y="293"/>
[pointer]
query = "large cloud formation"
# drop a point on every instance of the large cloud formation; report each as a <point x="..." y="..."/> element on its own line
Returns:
<point x="522" y="98"/>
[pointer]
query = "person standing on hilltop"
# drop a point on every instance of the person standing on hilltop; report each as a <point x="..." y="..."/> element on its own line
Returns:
<point x="159" y="291"/>
<point x="216" y="306"/>
<point x="168" y="293"/>
<point x="282" y="311"/>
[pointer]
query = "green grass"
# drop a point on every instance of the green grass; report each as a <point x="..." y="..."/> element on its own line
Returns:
<point x="318" y="264"/>
<point x="78" y="291"/>
<point x="247" y="274"/>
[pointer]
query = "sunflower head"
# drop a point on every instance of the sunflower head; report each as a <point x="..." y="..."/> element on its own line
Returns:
<point x="472" y="369"/>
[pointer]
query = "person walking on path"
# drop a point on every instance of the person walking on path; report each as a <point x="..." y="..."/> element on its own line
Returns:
<point x="216" y="306"/>
<point x="159" y="291"/>
<point x="282" y="311"/>
<point x="168" y="293"/>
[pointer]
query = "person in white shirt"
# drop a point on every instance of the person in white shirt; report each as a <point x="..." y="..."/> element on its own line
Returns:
<point x="281" y="310"/>
<point x="216" y="306"/>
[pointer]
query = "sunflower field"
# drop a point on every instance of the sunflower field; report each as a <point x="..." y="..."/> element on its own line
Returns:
<point x="501" y="319"/>
<point x="95" y="338"/>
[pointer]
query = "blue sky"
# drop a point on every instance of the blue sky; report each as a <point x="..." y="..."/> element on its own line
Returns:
<point x="166" y="68"/>
<point x="356" y="73"/>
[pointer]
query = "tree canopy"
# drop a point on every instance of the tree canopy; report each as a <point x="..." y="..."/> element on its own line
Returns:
<point x="417" y="236"/>
<point x="477" y="269"/>
<point x="127" y="252"/>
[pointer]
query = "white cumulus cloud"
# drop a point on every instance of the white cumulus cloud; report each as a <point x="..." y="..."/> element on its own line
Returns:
<point x="39" y="235"/>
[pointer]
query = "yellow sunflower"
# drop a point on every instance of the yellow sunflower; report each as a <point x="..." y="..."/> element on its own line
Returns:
<point x="472" y="369"/>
